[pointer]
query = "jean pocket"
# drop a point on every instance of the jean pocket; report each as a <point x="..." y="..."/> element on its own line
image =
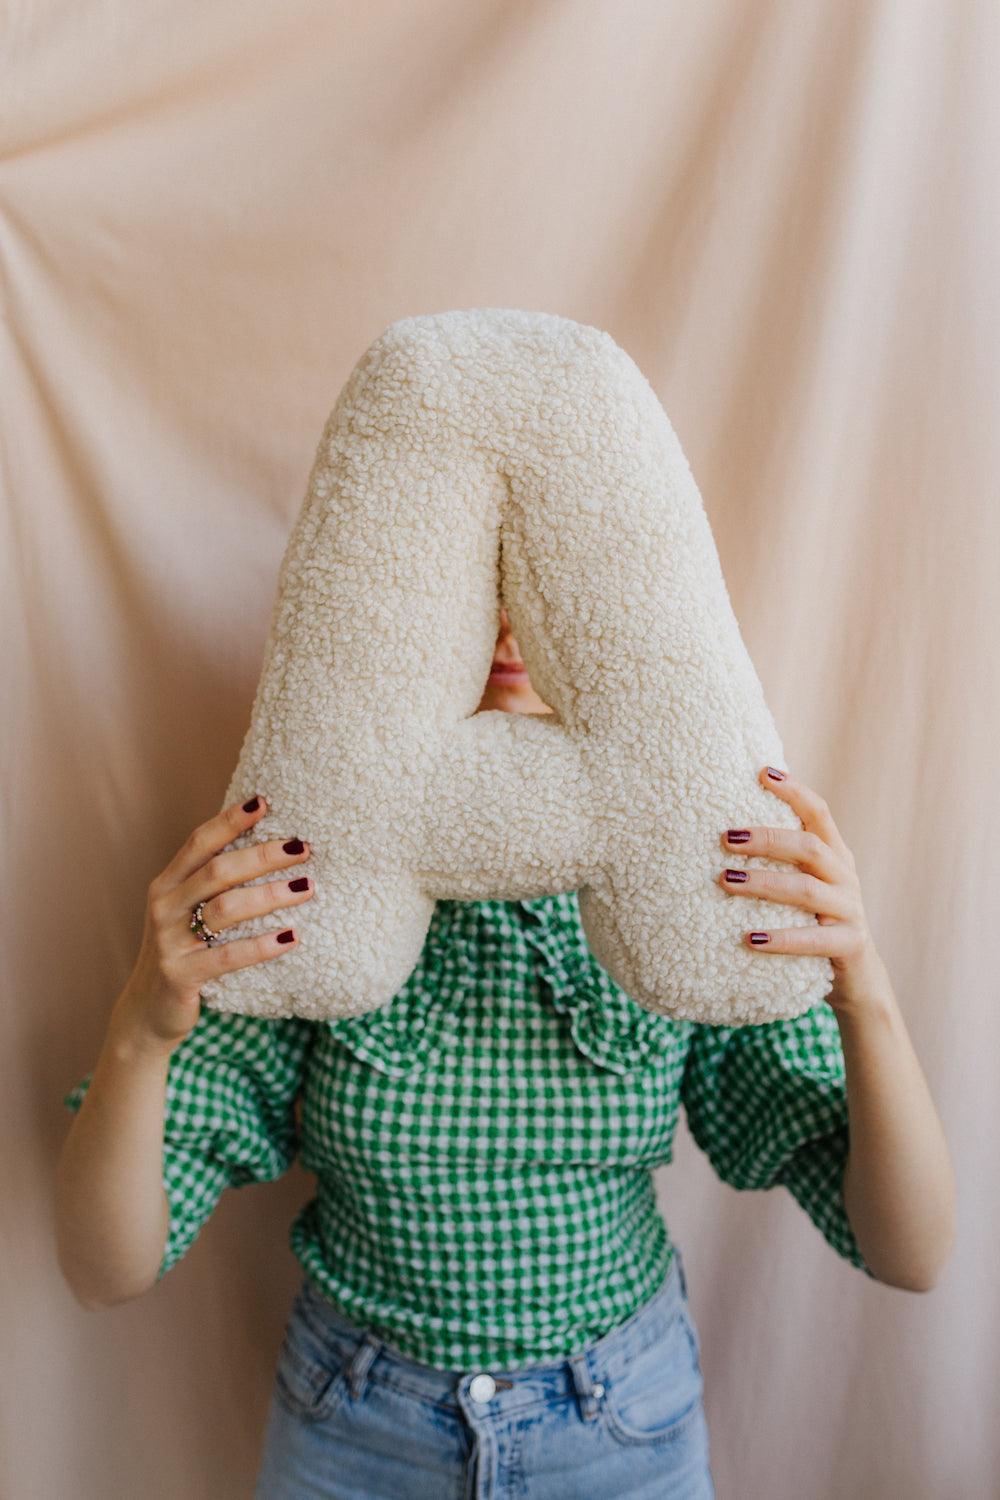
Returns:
<point x="655" y="1396"/>
<point x="311" y="1375"/>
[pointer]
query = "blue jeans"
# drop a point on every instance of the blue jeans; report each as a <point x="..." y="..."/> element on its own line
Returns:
<point x="352" y="1418"/>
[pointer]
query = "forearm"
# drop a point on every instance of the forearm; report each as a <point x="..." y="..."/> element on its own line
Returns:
<point x="898" y="1185"/>
<point x="112" y="1213"/>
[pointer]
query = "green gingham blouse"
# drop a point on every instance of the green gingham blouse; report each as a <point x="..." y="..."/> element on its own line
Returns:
<point x="484" y="1143"/>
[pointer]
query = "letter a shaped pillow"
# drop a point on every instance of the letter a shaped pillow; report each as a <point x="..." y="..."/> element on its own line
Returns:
<point x="474" y="459"/>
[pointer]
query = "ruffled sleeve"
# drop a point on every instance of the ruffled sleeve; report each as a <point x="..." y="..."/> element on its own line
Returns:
<point x="228" y="1118"/>
<point x="768" y="1106"/>
<point x="606" y="1024"/>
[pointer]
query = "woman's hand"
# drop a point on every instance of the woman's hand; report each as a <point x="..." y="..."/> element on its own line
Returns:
<point x="825" y="882"/>
<point x="160" y="1003"/>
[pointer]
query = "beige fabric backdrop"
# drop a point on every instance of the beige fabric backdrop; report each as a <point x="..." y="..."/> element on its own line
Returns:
<point x="788" y="215"/>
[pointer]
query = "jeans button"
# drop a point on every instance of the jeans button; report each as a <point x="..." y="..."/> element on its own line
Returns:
<point x="481" y="1387"/>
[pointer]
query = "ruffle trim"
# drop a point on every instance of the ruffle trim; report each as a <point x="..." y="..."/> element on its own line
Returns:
<point x="422" y="1015"/>
<point x="606" y="1025"/>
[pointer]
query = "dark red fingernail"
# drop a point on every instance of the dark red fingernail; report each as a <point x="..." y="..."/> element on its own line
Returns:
<point x="775" y="774"/>
<point x="737" y="835"/>
<point x="302" y="884"/>
<point x="735" y="875"/>
<point x="760" y="937"/>
<point x="286" y="936"/>
<point x="252" y="805"/>
<point x="294" y="846"/>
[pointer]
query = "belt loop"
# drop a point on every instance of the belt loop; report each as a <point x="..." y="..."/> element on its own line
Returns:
<point x="680" y="1271"/>
<point x="583" y="1385"/>
<point x="361" y="1361"/>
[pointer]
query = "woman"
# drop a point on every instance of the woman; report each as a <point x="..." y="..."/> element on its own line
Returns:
<point x="491" y="1302"/>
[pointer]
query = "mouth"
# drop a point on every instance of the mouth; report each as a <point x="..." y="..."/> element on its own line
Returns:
<point x="508" y="671"/>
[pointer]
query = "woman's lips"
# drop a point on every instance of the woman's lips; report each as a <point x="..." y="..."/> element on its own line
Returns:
<point x="509" y="671"/>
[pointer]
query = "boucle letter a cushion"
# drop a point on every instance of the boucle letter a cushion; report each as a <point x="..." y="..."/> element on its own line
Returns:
<point x="474" y="459"/>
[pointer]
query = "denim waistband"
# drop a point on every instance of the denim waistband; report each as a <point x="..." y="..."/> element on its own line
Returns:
<point x="515" y="1388"/>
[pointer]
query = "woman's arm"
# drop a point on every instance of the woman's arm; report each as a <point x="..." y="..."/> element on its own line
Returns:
<point x="112" y="1205"/>
<point x="899" y="1188"/>
<point x="898" y="1184"/>
<point x="112" y="1213"/>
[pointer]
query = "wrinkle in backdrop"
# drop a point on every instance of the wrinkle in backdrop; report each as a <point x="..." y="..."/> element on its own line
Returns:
<point x="787" y="215"/>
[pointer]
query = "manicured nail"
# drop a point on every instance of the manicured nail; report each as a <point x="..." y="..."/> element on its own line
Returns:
<point x="302" y="884"/>
<point x="735" y="875"/>
<point x="775" y="774"/>
<point x="252" y="805"/>
<point x="737" y="835"/>
<point x="294" y="846"/>
<point x="285" y="937"/>
<point x="760" y="937"/>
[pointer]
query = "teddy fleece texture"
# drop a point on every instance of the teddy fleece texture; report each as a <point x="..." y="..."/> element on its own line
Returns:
<point x="497" y="456"/>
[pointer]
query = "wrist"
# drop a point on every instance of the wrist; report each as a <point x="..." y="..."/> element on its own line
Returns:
<point x="877" y="1010"/>
<point x="862" y="987"/>
<point x="129" y="1039"/>
<point x="872" y="1006"/>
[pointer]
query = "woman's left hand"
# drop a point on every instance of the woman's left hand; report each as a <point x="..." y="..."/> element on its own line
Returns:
<point x="825" y="882"/>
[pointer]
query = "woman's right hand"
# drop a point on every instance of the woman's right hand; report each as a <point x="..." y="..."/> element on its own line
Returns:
<point x="160" y="1003"/>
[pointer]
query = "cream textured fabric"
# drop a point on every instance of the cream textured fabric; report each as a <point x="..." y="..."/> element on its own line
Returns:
<point x="493" y="456"/>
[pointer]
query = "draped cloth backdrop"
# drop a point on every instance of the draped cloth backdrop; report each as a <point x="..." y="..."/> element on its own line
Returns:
<point x="787" y="214"/>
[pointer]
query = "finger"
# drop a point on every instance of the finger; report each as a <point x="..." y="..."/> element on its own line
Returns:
<point x="207" y="839"/>
<point x="208" y="960"/>
<point x="243" y="902"/>
<point x="812" y="809"/>
<point x="793" y="888"/>
<point x="836" y="941"/>
<point x="797" y="845"/>
<point x="223" y="872"/>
